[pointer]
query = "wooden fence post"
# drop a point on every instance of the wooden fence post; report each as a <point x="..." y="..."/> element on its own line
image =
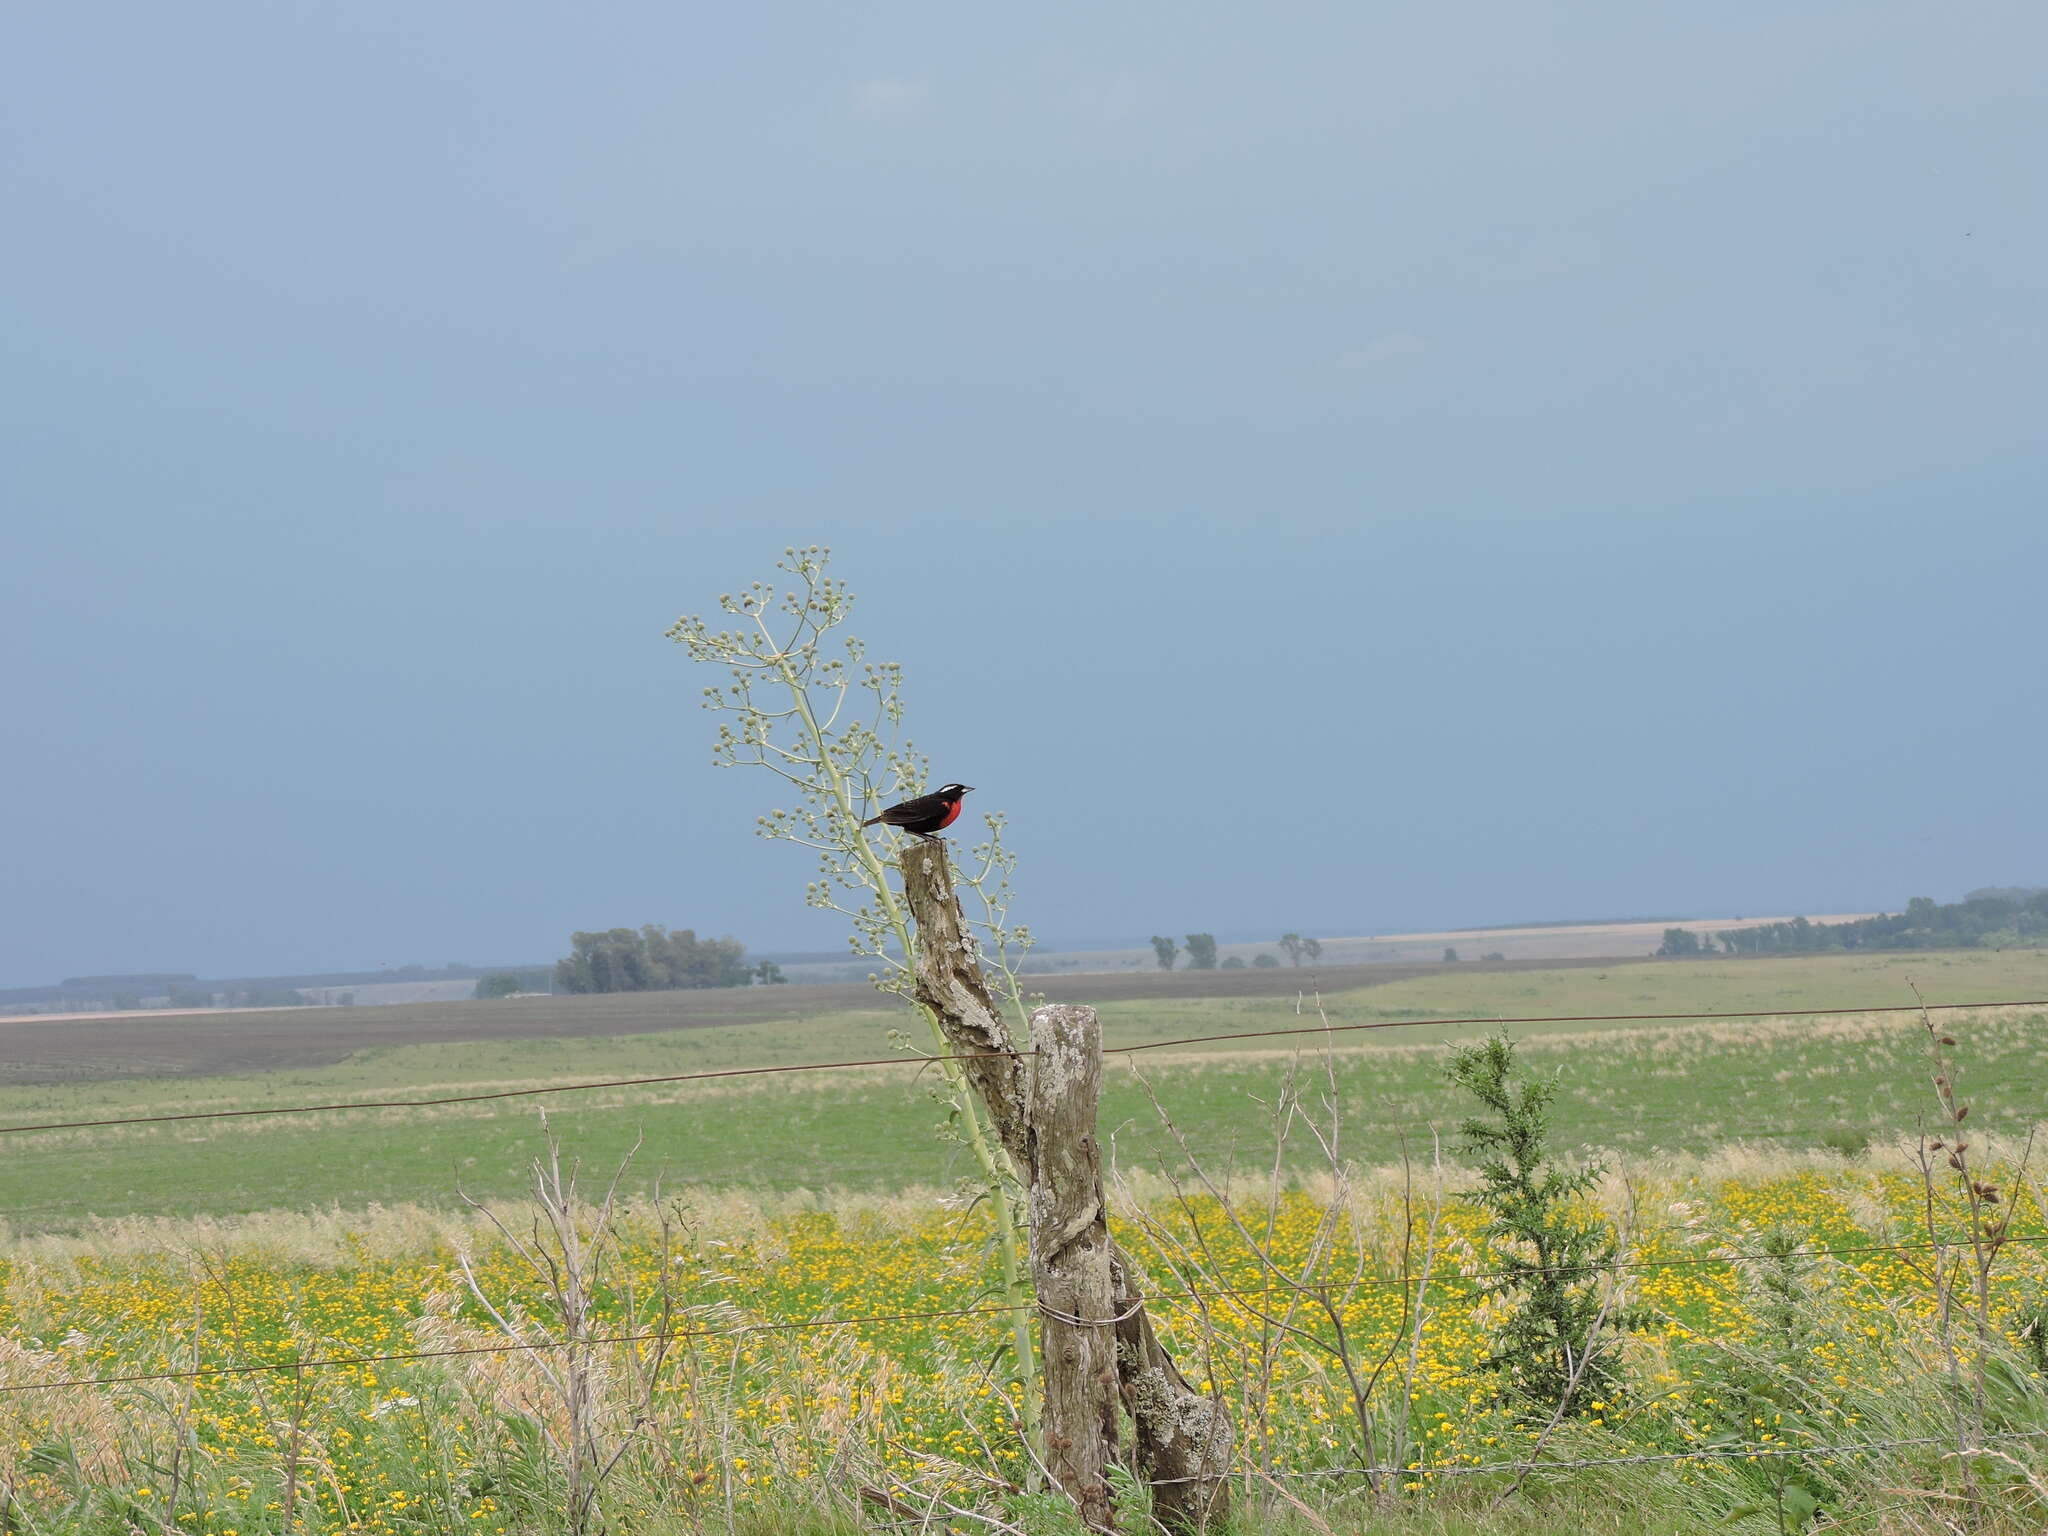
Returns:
<point x="1070" y="1255"/>
<point x="1183" y="1438"/>
<point x="947" y="982"/>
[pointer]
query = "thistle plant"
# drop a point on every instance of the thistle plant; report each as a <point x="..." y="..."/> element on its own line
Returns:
<point x="807" y="703"/>
<point x="1557" y="1342"/>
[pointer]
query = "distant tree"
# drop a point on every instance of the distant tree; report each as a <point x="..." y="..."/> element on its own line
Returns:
<point x="685" y="960"/>
<point x="2012" y="893"/>
<point x="1997" y="914"/>
<point x="1264" y="961"/>
<point x="649" y="959"/>
<point x="189" y="997"/>
<point x="1493" y="954"/>
<point x="1165" y="949"/>
<point x="1313" y="949"/>
<point x="1680" y="943"/>
<point x="1292" y="944"/>
<point x="1233" y="963"/>
<point x="498" y="984"/>
<point x="769" y="974"/>
<point x="344" y="1000"/>
<point x="1450" y="956"/>
<point x="1201" y="951"/>
<point x="610" y="961"/>
<point x="127" y="1000"/>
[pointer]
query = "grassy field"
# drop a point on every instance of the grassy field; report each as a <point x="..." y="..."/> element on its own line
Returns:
<point x="1634" y="1087"/>
<point x="60" y="1048"/>
<point x="755" y="1423"/>
<point x="822" y="1196"/>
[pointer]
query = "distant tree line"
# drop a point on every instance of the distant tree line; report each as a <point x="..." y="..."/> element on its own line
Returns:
<point x="1299" y="949"/>
<point x="656" y="959"/>
<point x="1994" y="918"/>
<point x="1201" y="952"/>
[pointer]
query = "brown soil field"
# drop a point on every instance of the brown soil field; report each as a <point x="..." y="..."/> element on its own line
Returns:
<point x="57" y="1048"/>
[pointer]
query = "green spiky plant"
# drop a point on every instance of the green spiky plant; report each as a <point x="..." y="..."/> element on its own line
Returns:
<point x="806" y="703"/>
<point x="1557" y="1342"/>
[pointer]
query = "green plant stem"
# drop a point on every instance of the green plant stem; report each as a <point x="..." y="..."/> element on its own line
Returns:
<point x="1015" y="1281"/>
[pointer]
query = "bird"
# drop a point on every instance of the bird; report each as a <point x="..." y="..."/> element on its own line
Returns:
<point x="925" y="814"/>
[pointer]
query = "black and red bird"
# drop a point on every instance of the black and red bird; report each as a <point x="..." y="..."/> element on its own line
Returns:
<point x="925" y="814"/>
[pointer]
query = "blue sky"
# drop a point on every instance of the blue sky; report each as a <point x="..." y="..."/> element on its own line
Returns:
<point x="1333" y="467"/>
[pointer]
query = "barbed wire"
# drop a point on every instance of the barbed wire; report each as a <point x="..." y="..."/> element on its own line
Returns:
<point x="927" y="1061"/>
<point x="741" y="1330"/>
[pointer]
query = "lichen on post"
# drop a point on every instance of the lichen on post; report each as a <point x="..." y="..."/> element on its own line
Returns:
<point x="1184" y="1438"/>
<point x="1070" y="1259"/>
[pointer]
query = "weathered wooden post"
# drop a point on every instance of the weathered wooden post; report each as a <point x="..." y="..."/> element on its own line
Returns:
<point x="948" y="983"/>
<point x="1184" y="1438"/>
<point x="1070" y="1258"/>
<point x="1092" y="1311"/>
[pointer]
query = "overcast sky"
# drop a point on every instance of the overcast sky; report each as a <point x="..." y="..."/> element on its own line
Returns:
<point x="1326" y="467"/>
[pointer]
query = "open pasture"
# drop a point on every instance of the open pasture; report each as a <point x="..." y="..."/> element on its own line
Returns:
<point x="1633" y="1086"/>
<point x="57" y="1048"/>
<point x="795" y="1201"/>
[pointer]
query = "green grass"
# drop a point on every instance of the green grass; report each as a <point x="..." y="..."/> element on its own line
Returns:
<point x="1635" y="1088"/>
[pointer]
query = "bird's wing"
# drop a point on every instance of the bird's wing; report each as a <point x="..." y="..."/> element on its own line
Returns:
<point x="914" y="810"/>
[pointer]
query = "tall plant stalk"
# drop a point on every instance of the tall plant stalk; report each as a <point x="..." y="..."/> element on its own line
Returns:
<point x="810" y="707"/>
